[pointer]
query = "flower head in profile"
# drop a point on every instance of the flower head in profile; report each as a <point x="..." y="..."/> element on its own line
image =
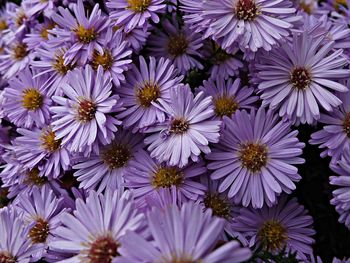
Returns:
<point x="144" y="86"/>
<point x="187" y="234"/>
<point x="26" y="100"/>
<point x="188" y="130"/>
<point x="146" y="175"/>
<point x="130" y="14"/>
<point x="83" y="117"/>
<point x="285" y="225"/>
<point x="300" y="76"/>
<point x="93" y="232"/>
<point x="107" y="168"/>
<point x="255" y="158"/>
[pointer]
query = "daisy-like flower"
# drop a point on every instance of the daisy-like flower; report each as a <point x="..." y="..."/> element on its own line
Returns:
<point x="40" y="6"/>
<point x="228" y="96"/>
<point x="249" y="23"/>
<point x="144" y="87"/>
<point x="83" y="118"/>
<point x="115" y="58"/>
<point x="53" y="64"/>
<point x="341" y="197"/>
<point x="41" y="212"/>
<point x="145" y="176"/>
<point x="94" y="230"/>
<point x="180" y="45"/>
<point x="285" y="225"/>
<point x="26" y="101"/>
<point x="298" y="77"/>
<point x="187" y="234"/>
<point x="39" y="34"/>
<point x="107" y="169"/>
<point x="84" y="33"/>
<point x="255" y="157"/>
<point x="14" y="58"/>
<point x="20" y="20"/>
<point x="334" y="137"/>
<point x="130" y="14"/>
<point x="136" y="38"/>
<point x="188" y="130"/>
<point x="40" y="148"/>
<point x="14" y="243"/>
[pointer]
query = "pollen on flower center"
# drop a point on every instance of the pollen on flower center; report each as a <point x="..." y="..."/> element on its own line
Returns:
<point x="115" y="155"/>
<point x="49" y="141"/>
<point x="105" y="60"/>
<point x="253" y="156"/>
<point x="346" y="125"/>
<point x="3" y="25"/>
<point x="32" y="99"/>
<point x="179" y="126"/>
<point x="45" y="31"/>
<point x="86" y="110"/>
<point x="166" y="177"/>
<point x="307" y="7"/>
<point x="272" y="235"/>
<point x="220" y="206"/>
<point x="33" y="178"/>
<point x="139" y="5"/>
<point x="225" y="106"/>
<point x="20" y="51"/>
<point x="177" y="45"/>
<point x="39" y="231"/>
<point x="103" y="249"/>
<point x="246" y="10"/>
<point x="148" y="93"/>
<point x="60" y="66"/>
<point x="20" y="18"/>
<point x="7" y="258"/>
<point x="300" y="78"/>
<point x="85" y="35"/>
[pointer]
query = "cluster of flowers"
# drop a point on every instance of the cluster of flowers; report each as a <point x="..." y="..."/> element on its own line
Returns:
<point x="109" y="155"/>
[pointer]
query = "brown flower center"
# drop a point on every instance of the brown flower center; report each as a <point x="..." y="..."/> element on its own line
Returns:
<point x="307" y="7"/>
<point x="246" y="10"/>
<point x="7" y="258"/>
<point x="33" y="178"/>
<point x="60" y="66"/>
<point x="179" y="126"/>
<point x="85" y="35"/>
<point x="272" y="235"/>
<point x="346" y="125"/>
<point x="39" y="231"/>
<point x="21" y="17"/>
<point x="182" y="259"/>
<point x="105" y="60"/>
<point x="3" y="25"/>
<point x="220" y="206"/>
<point x="225" y="106"/>
<point x="3" y="197"/>
<point x="166" y="177"/>
<point x="253" y="156"/>
<point x="177" y="45"/>
<point x="32" y="99"/>
<point x="86" y="110"/>
<point x="300" y="78"/>
<point x="138" y="6"/>
<point x="49" y="141"/>
<point x="103" y="250"/>
<point x="20" y="51"/>
<point x="115" y="155"/>
<point x="148" y="93"/>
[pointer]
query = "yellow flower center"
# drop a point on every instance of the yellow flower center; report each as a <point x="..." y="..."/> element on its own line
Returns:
<point x="45" y="31"/>
<point x="307" y="7"/>
<point x="60" y="66"/>
<point x="246" y="10"/>
<point x="177" y="45"/>
<point x="20" y="51"/>
<point x="103" y="250"/>
<point x="115" y="155"/>
<point x="105" y="60"/>
<point x="32" y="99"/>
<point x="225" y="106"/>
<point x="253" y="156"/>
<point x="148" y="93"/>
<point x="40" y="231"/>
<point x="220" y="206"/>
<point x="3" y="25"/>
<point x="20" y="18"/>
<point x="139" y="6"/>
<point x="272" y="235"/>
<point x="166" y="177"/>
<point x="49" y="142"/>
<point x="85" y="35"/>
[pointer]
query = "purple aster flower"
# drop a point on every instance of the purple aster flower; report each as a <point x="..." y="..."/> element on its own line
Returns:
<point x="286" y="224"/>
<point x="107" y="169"/>
<point x="136" y="38"/>
<point x="255" y="157"/>
<point x="41" y="148"/>
<point x="180" y="45"/>
<point x="228" y="96"/>
<point x="15" y="57"/>
<point x="296" y="78"/>
<point x="146" y="175"/>
<point x="187" y="234"/>
<point x="42" y="212"/>
<point x="20" y="20"/>
<point x="144" y="87"/>
<point x="250" y="24"/>
<point x="84" y="33"/>
<point x="341" y="196"/>
<point x="83" y="118"/>
<point x="334" y="138"/>
<point x="193" y="17"/>
<point x="115" y="57"/>
<point x="130" y="14"/>
<point x="188" y="130"/>
<point x="94" y="230"/>
<point x="26" y="101"/>
<point x="39" y="34"/>
<point x="14" y="243"/>
<point x="40" y="6"/>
